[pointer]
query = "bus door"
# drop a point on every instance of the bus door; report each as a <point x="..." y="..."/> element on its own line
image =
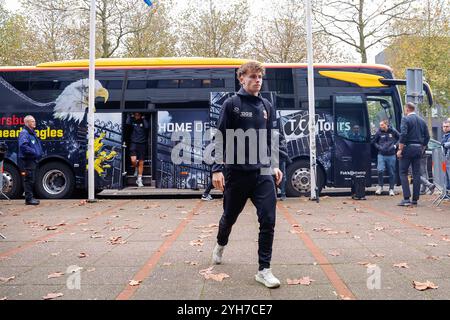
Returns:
<point x="351" y="150"/>
<point x="130" y="173"/>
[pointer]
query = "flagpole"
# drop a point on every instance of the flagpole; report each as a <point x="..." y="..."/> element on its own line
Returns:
<point x="91" y="118"/>
<point x="311" y="101"/>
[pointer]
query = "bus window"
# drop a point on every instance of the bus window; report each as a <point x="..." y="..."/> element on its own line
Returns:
<point x="380" y="108"/>
<point x="350" y="118"/>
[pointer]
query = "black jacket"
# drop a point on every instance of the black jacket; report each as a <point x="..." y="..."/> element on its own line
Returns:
<point x="138" y="129"/>
<point x="252" y="115"/>
<point x="414" y="130"/>
<point x="385" y="141"/>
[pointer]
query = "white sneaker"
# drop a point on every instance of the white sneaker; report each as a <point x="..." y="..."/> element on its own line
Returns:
<point x="207" y="197"/>
<point x="391" y="192"/>
<point x="266" y="277"/>
<point x="217" y="254"/>
<point x="139" y="182"/>
<point x="379" y="190"/>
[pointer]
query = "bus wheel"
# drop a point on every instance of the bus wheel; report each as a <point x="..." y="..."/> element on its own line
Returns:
<point x="298" y="179"/>
<point x="12" y="181"/>
<point x="55" y="180"/>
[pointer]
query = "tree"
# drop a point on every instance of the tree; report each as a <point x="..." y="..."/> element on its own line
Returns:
<point x="211" y="30"/>
<point x="284" y="37"/>
<point x="428" y="47"/>
<point x="15" y="46"/>
<point x="56" y="28"/>
<point x="152" y="36"/>
<point x="361" y="24"/>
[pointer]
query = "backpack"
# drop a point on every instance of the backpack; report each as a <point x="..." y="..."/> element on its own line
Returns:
<point x="237" y="105"/>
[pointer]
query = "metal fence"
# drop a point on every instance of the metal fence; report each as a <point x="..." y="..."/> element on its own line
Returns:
<point x="440" y="172"/>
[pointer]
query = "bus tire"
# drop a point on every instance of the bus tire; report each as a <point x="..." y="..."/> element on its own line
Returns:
<point x="298" y="179"/>
<point x="12" y="181"/>
<point x="54" y="180"/>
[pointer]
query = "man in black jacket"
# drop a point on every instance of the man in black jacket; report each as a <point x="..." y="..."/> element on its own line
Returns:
<point x="385" y="141"/>
<point x="414" y="138"/>
<point x="245" y="175"/>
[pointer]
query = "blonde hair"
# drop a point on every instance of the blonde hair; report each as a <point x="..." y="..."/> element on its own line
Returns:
<point x="251" y="66"/>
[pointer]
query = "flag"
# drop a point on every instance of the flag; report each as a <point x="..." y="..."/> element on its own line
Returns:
<point x="148" y="2"/>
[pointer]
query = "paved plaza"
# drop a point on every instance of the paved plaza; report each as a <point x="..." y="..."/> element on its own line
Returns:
<point x="153" y="249"/>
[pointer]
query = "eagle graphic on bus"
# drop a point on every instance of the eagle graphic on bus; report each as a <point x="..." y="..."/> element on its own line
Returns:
<point x="70" y="105"/>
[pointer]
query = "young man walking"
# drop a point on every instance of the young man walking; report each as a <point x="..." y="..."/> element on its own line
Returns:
<point x="248" y="179"/>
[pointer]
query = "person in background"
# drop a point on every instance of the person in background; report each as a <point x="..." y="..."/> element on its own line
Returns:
<point x="446" y="147"/>
<point x="385" y="141"/>
<point x="414" y="138"/>
<point x="30" y="151"/>
<point x="138" y="144"/>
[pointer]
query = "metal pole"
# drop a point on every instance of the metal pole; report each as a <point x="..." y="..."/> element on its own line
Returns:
<point x="91" y="119"/>
<point x="311" y="101"/>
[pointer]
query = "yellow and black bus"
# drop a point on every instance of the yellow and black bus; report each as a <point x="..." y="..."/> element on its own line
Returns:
<point x="185" y="94"/>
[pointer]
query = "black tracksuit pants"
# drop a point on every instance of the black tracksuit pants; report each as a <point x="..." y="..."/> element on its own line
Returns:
<point x="239" y="186"/>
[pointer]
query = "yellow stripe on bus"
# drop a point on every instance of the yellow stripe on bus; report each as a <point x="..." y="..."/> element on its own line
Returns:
<point x="127" y="62"/>
<point x="363" y="80"/>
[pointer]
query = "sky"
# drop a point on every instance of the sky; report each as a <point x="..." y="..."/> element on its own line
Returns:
<point x="256" y="6"/>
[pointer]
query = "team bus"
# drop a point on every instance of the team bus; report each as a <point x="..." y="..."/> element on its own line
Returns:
<point x="185" y="94"/>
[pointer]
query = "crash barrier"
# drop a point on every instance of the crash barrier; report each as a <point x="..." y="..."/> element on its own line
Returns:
<point x="440" y="167"/>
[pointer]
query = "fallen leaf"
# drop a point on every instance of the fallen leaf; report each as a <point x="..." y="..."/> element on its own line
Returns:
<point x="82" y="255"/>
<point x="52" y="296"/>
<point x="334" y="253"/>
<point x="378" y="255"/>
<point x="196" y="243"/>
<point x="55" y="275"/>
<point x="192" y="263"/>
<point x="208" y="274"/>
<point x="116" y="240"/>
<point x="166" y="234"/>
<point x="401" y="265"/>
<point x="7" y="279"/>
<point x="432" y="244"/>
<point x="421" y="286"/>
<point x="306" y="281"/>
<point x="51" y="228"/>
<point x="134" y="282"/>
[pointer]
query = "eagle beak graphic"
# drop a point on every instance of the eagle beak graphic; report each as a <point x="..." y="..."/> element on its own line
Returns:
<point x="102" y="92"/>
